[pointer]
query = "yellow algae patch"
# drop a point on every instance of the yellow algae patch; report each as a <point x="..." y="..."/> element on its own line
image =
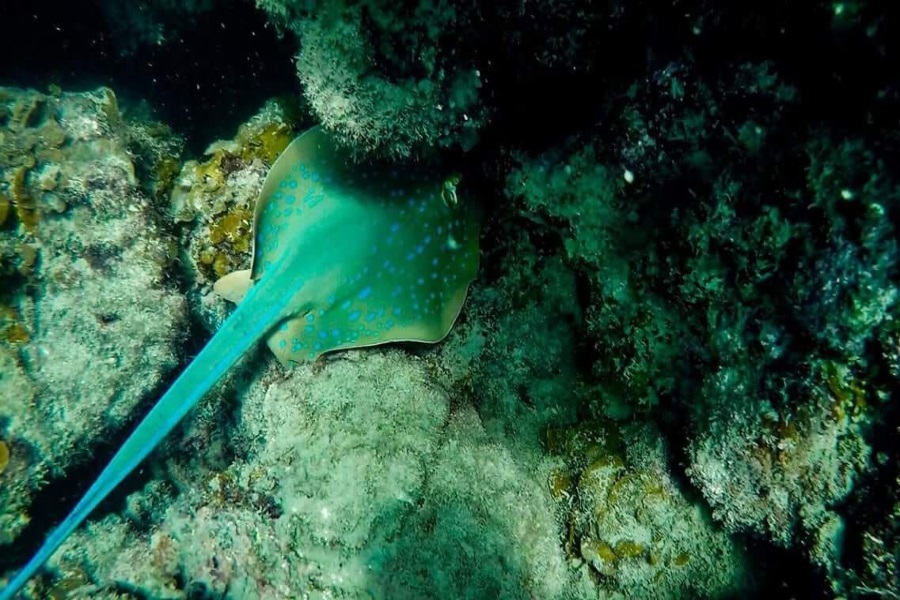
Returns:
<point x="4" y="209"/>
<point x="233" y="227"/>
<point x="26" y="207"/>
<point x="629" y="549"/>
<point x="559" y="483"/>
<point x="4" y="456"/>
<point x="11" y="329"/>
<point x="266" y="143"/>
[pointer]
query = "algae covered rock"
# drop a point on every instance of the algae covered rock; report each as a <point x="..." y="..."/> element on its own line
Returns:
<point x="213" y="199"/>
<point x="90" y="324"/>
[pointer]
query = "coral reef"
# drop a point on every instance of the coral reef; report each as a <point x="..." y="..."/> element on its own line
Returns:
<point x="379" y="101"/>
<point x="741" y="262"/>
<point x="356" y="480"/>
<point x="684" y="337"/>
<point x="90" y="326"/>
<point x="213" y="201"/>
<point x="408" y="474"/>
<point x="411" y="78"/>
<point x="630" y="520"/>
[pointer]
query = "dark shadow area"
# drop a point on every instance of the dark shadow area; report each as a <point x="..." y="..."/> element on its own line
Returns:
<point x="211" y="75"/>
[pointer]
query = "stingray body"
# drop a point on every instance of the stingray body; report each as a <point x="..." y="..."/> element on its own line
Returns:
<point x="344" y="257"/>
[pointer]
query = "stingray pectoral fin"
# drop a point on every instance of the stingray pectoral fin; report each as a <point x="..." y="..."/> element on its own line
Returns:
<point x="249" y="322"/>
<point x="380" y="312"/>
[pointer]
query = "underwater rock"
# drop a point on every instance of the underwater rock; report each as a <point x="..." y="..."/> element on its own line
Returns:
<point x="90" y="324"/>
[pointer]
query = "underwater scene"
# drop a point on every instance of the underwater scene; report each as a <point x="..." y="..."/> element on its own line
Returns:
<point x="449" y="299"/>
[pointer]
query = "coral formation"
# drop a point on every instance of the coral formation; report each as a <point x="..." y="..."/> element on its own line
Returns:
<point x="369" y="511"/>
<point x="380" y="101"/>
<point x="219" y="193"/>
<point x="407" y="79"/>
<point x="750" y="292"/>
<point x="629" y="519"/>
<point x="83" y="270"/>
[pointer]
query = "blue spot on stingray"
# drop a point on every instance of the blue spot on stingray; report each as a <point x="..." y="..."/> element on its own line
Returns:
<point x="420" y="249"/>
<point x="397" y="311"/>
<point x="279" y="194"/>
<point x="353" y="316"/>
<point x="282" y="344"/>
<point x="317" y="346"/>
<point x="283" y="184"/>
<point x="312" y="199"/>
<point x="365" y="293"/>
<point x="388" y="324"/>
<point x="295" y="345"/>
<point x="287" y="212"/>
<point x="331" y="299"/>
<point x="434" y="261"/>
<point x="310" y="318"/>
<point x="335" y="332"/>
<point x="323" y="335"/>
<point x="410" y="256"/>
<point x="290" y="199"/>
<point x="395" y="227"/>
<point x="420" y="281"/>
<point x="293" y="184"/>
<point x="315" y="177"/>
<point x="345" y="304"/>
<point x="371" y="317"/>
<point x="309" y="329"/>
<point x="427" y="239"/>
<point x="284" y="327"/>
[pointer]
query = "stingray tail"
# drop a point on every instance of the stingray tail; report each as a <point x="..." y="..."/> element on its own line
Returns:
<point x="250" y="321"/>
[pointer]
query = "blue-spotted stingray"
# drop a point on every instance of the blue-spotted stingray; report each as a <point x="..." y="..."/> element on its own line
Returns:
<point x="343" y="257"/>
